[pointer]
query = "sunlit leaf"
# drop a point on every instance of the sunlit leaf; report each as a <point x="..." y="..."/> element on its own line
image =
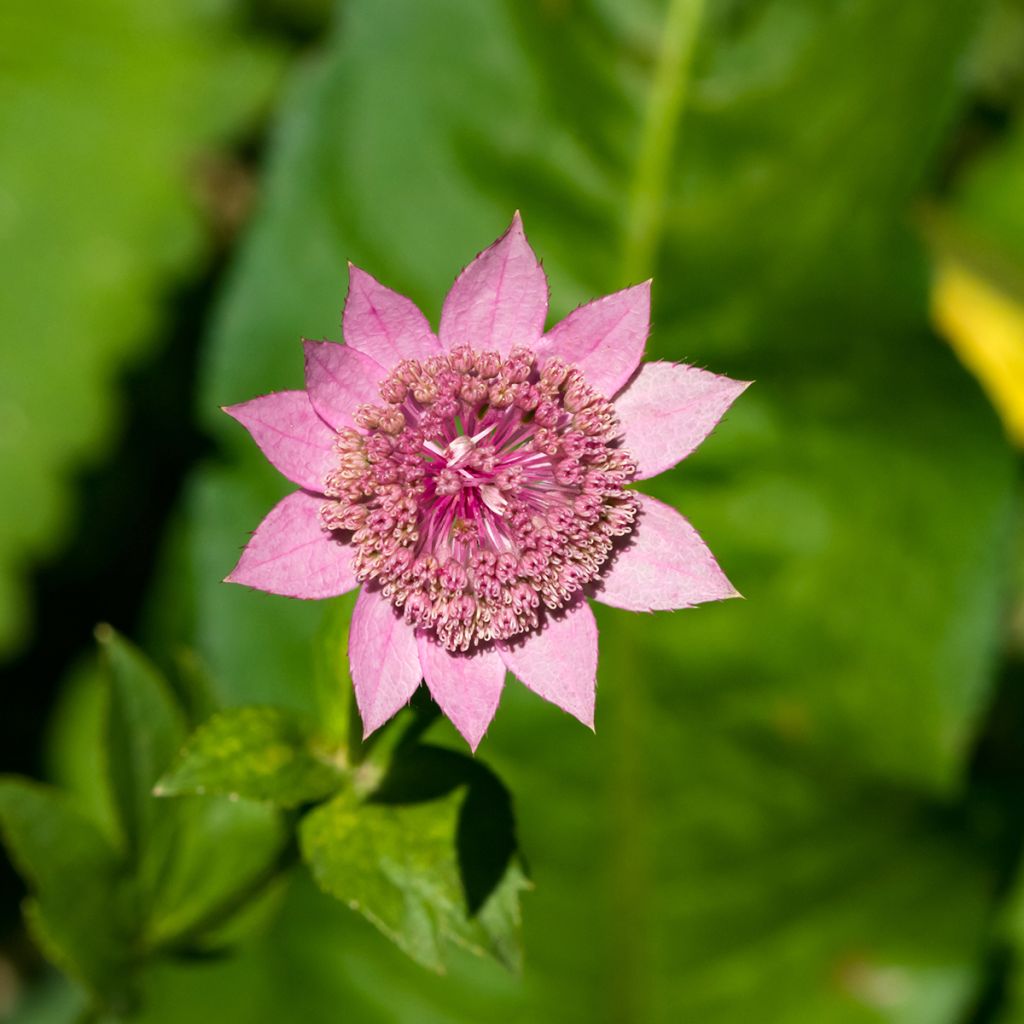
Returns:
<point x="259" y="753"/>
<point x="429" y="858"/>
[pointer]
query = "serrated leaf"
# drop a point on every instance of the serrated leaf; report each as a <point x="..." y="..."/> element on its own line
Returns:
<point x="80" y="911"/>
<point x="430" y="858"/>
<point x="258" y="753"/>
<point x="144" y="730"/>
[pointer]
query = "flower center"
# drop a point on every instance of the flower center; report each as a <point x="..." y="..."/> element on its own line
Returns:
<point x="482" y="492"/>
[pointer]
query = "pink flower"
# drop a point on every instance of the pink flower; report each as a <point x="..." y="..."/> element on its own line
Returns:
<point x="476" y="482"/>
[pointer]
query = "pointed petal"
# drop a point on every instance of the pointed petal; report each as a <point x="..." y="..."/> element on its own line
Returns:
<point x="666" y="566"/>
<point x="384" y="325"/>
<point x="560" y="662"/>
<point x="668" y="409"/>
<point x="500" y="300"/>
<point x="383" y="659"/>
<point x="290" y="553"/>
<point x="605" y="338"/>
<point x="467" y="687"/>
<point x="291" y="435"/>
<point x="339" y="379"/>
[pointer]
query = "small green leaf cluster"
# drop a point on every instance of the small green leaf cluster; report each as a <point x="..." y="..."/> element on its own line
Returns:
<point x="212" y="809"/>
<point x="417" y="838"/>
<point x="110" y="892"/>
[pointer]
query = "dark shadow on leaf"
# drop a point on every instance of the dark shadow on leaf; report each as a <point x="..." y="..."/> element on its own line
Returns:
<point x="486" y="835"/>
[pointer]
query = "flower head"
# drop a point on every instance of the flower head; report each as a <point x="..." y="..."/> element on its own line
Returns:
<point x="477" y="484"/>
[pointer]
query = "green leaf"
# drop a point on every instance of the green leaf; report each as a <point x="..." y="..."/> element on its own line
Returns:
<point x="144" y="730"/>
<point x="985" y="199"/>
<point x="74" y="756"/>
<point x="258" y="753"/>
<point x="201" y="873"/>
<point x="394" y="865"/>
<point x="429" y="858"/>
<point x="196" y="687"/>
<point x="766" y="825"/>
<point x="195" y="862"/>
<point x="87" y="268"/>
<point x="79" y="912"/>
<point x="224" y="857"/>
<point x="55" y="1001"/>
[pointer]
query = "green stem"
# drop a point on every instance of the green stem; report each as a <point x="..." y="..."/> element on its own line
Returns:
<point x="630" y="853"/>
<point x="665" y="105"/>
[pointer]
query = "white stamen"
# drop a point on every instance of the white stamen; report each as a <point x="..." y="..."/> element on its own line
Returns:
<point x="477" y="438"/>
<point x="459" y="449"/>
<point x="494" y="499"/>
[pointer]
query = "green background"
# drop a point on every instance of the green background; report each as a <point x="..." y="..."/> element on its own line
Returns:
<point x="799" y="807"/>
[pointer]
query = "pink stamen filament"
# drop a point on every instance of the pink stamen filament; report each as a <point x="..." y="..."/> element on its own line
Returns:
<point x="474" y="515"/>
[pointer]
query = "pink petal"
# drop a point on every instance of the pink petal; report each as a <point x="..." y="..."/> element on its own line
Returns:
<point x="384" y="325"/>
<point x="340" y="378"/>
<point x="291" y="554"/>
<point x="605" y="338"/>
<point x="668" y="409"/>
<point x="466" y="686"/>
<point x="666" y="566"/>
<point x="291" y="435"/>
<point x="500" y="300"/>
<point x="383" y="659"/>
<point x="560" y="662"/>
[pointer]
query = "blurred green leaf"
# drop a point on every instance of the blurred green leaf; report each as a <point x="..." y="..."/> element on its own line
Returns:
<point x="258" y="753"/>
<point x="111" y="113"/>
<point x="144" y="731"/>
<point x="194" y="875"/>
<point x="55" y="1001"/>
<point x="1011" y="1004"/>
<point x="195" y="861"/>
<point x="319" y="960"/>
<point x="429" y="858"/>
<point x="989" y="197"/>
<point x="223" y="856"/>
<point x="74" y="753"/>
<point x="78" y="912"/>
<point x="765" y="826"/>
<point x="196" y="690"/>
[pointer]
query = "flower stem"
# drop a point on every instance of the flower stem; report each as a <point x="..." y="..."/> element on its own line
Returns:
<point x="665" y="104"/>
